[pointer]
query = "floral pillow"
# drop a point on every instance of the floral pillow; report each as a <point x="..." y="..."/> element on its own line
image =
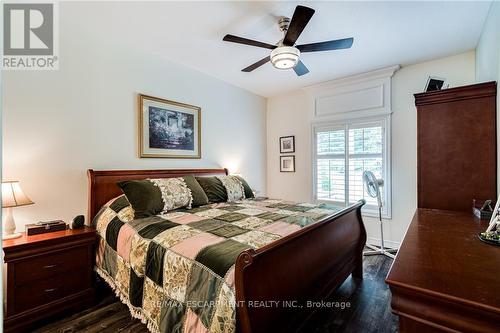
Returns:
<point x="234" y="188"/>
<point x="174" y="192"/>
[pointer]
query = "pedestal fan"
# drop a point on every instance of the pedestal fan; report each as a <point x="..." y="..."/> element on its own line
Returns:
<point x="373" y="188"/>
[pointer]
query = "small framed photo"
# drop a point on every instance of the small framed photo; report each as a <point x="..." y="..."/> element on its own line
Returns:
<point x="168" y="129"/>
<point x="287" y="163"/>
<point x="435" y="83"/>
<point x="287" y="144"/>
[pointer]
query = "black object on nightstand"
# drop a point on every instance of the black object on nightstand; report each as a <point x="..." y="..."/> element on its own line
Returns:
<point x="48" y="274"/>
<point x="78" y="222"/>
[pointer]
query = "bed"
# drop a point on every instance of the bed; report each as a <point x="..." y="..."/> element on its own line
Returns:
<point x="275" y="284"/>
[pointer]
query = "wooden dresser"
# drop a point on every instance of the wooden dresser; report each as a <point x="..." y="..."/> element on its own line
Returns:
<point x="456" y="146"/>
<point x="47" y="274"/>
<point x="444" y="279"/>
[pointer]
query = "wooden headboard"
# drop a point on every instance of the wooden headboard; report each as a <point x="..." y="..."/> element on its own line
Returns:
<point x="102" y="183"/>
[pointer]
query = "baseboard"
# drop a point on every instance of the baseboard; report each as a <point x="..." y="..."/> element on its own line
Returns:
<point x="387" y="243"/>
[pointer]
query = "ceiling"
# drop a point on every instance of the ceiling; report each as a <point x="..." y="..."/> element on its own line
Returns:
<point x="385" y="34"/>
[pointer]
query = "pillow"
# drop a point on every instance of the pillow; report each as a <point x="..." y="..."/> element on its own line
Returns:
<point x="174" y="192"/>
<point x="144" y="196"/>
<point x="150" y="197"/>
<point x="199" y="196"/>
<point x="246" y="187"/>
<point x="213" y="188"/>
<point x="234" y="188"/>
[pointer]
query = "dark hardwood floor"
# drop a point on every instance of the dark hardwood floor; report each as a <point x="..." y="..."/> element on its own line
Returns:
<point x="369" y="300"/>
<point x="368" y="311"/>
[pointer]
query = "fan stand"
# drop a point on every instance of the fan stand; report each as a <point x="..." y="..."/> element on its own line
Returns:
<point x="376" y="250"/>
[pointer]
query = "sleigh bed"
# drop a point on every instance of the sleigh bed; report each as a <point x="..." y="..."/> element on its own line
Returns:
<point x="273" y="284"/>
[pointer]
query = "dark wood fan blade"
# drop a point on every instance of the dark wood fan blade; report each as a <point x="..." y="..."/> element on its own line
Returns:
<point x="256" y="65"/>
<point x="300" y="69"/>
<point x="246" y="41"/>
<point x="327" y="46"/>
<point x="300" y="18"/>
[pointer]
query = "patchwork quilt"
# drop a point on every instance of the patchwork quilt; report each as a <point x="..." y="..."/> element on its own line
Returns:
<point x="175" y="271"/>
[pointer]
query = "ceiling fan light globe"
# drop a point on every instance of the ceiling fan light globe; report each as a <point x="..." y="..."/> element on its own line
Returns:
<point x="285" y="57"/>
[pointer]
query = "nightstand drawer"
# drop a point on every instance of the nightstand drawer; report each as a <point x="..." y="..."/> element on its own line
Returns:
<point x="44" y="291"/>
<point x="50" y="264"/>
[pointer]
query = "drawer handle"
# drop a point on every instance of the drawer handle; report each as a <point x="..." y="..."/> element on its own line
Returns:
<point x="49" y="266"/>
<point x="50" y="290"/>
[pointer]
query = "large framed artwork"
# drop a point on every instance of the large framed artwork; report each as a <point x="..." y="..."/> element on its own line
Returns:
<point x="168" y="129"/>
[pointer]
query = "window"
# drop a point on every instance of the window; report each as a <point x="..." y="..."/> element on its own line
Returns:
<point x="342" y="152"/>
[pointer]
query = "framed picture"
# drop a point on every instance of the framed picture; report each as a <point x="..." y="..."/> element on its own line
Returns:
<point x="287" y="144"/>
<point x="168" y="129"/>
<point x="435" y="83"/>
<point x="287" y="163"/>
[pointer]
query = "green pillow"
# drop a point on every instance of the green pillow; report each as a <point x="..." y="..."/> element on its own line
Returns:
<point x="199" y="196"/>
<point x="246" y="187"/>
<point x="144" y="196"/>
<point x="213" y="188"/>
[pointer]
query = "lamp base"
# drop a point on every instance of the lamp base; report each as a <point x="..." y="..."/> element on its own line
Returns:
<point x="12" y="236"/>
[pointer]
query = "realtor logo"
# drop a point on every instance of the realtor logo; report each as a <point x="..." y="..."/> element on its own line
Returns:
<point x="29" y="31"/>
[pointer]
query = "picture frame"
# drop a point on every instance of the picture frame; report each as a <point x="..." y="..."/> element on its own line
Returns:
<point x="287" y="163"/>
<point x="168" y="129"/>
<point x="435" y="83"/>
<point x="287" y="144"/>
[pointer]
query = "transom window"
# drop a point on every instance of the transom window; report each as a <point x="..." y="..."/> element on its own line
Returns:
<point x="342" y="152"/>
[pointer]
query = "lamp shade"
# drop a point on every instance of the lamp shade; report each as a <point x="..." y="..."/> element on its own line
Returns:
<point x="285" y="57"/>
<point x="13" y="195"/>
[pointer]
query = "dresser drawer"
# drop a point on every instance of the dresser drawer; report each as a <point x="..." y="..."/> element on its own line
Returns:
<point x="44" y="291"/>
<point x="50" y="264"/>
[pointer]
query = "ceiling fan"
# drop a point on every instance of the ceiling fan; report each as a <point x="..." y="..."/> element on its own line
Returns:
<point x="285" y="54"/>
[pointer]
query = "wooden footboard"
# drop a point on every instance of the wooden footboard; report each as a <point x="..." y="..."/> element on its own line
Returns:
<point x="275" y="283"/>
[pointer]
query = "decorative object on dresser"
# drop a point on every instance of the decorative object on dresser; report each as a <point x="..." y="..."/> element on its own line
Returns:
<point x="47" y="274"/>
<point x="482" y="209"/>
<point x="168" y="129"/>
<point x="492" y="233"/>
<point x="287" y="163"/>
<point x="443" y="279"/>
<point x="12" y="196"/>
<point x="373" y="185"/>
<point x="287" y="144"/>
<point x="456" y="146"/>
<point x="435" y="83"/>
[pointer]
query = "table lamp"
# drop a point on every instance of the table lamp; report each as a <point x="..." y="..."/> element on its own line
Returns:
<point x="12" y="196"/>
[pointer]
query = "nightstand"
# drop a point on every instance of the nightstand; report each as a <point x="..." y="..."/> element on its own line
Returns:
<point x="47" y="274"/>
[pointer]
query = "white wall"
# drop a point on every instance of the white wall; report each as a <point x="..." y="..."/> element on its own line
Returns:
<point x="488" y="60"/>
<point x="58" y="124"/>
<point x="290" y="114"/>
<point x="488" y="47"/>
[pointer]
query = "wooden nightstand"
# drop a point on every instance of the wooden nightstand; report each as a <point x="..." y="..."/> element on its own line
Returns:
<point x="47" y="274"/>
